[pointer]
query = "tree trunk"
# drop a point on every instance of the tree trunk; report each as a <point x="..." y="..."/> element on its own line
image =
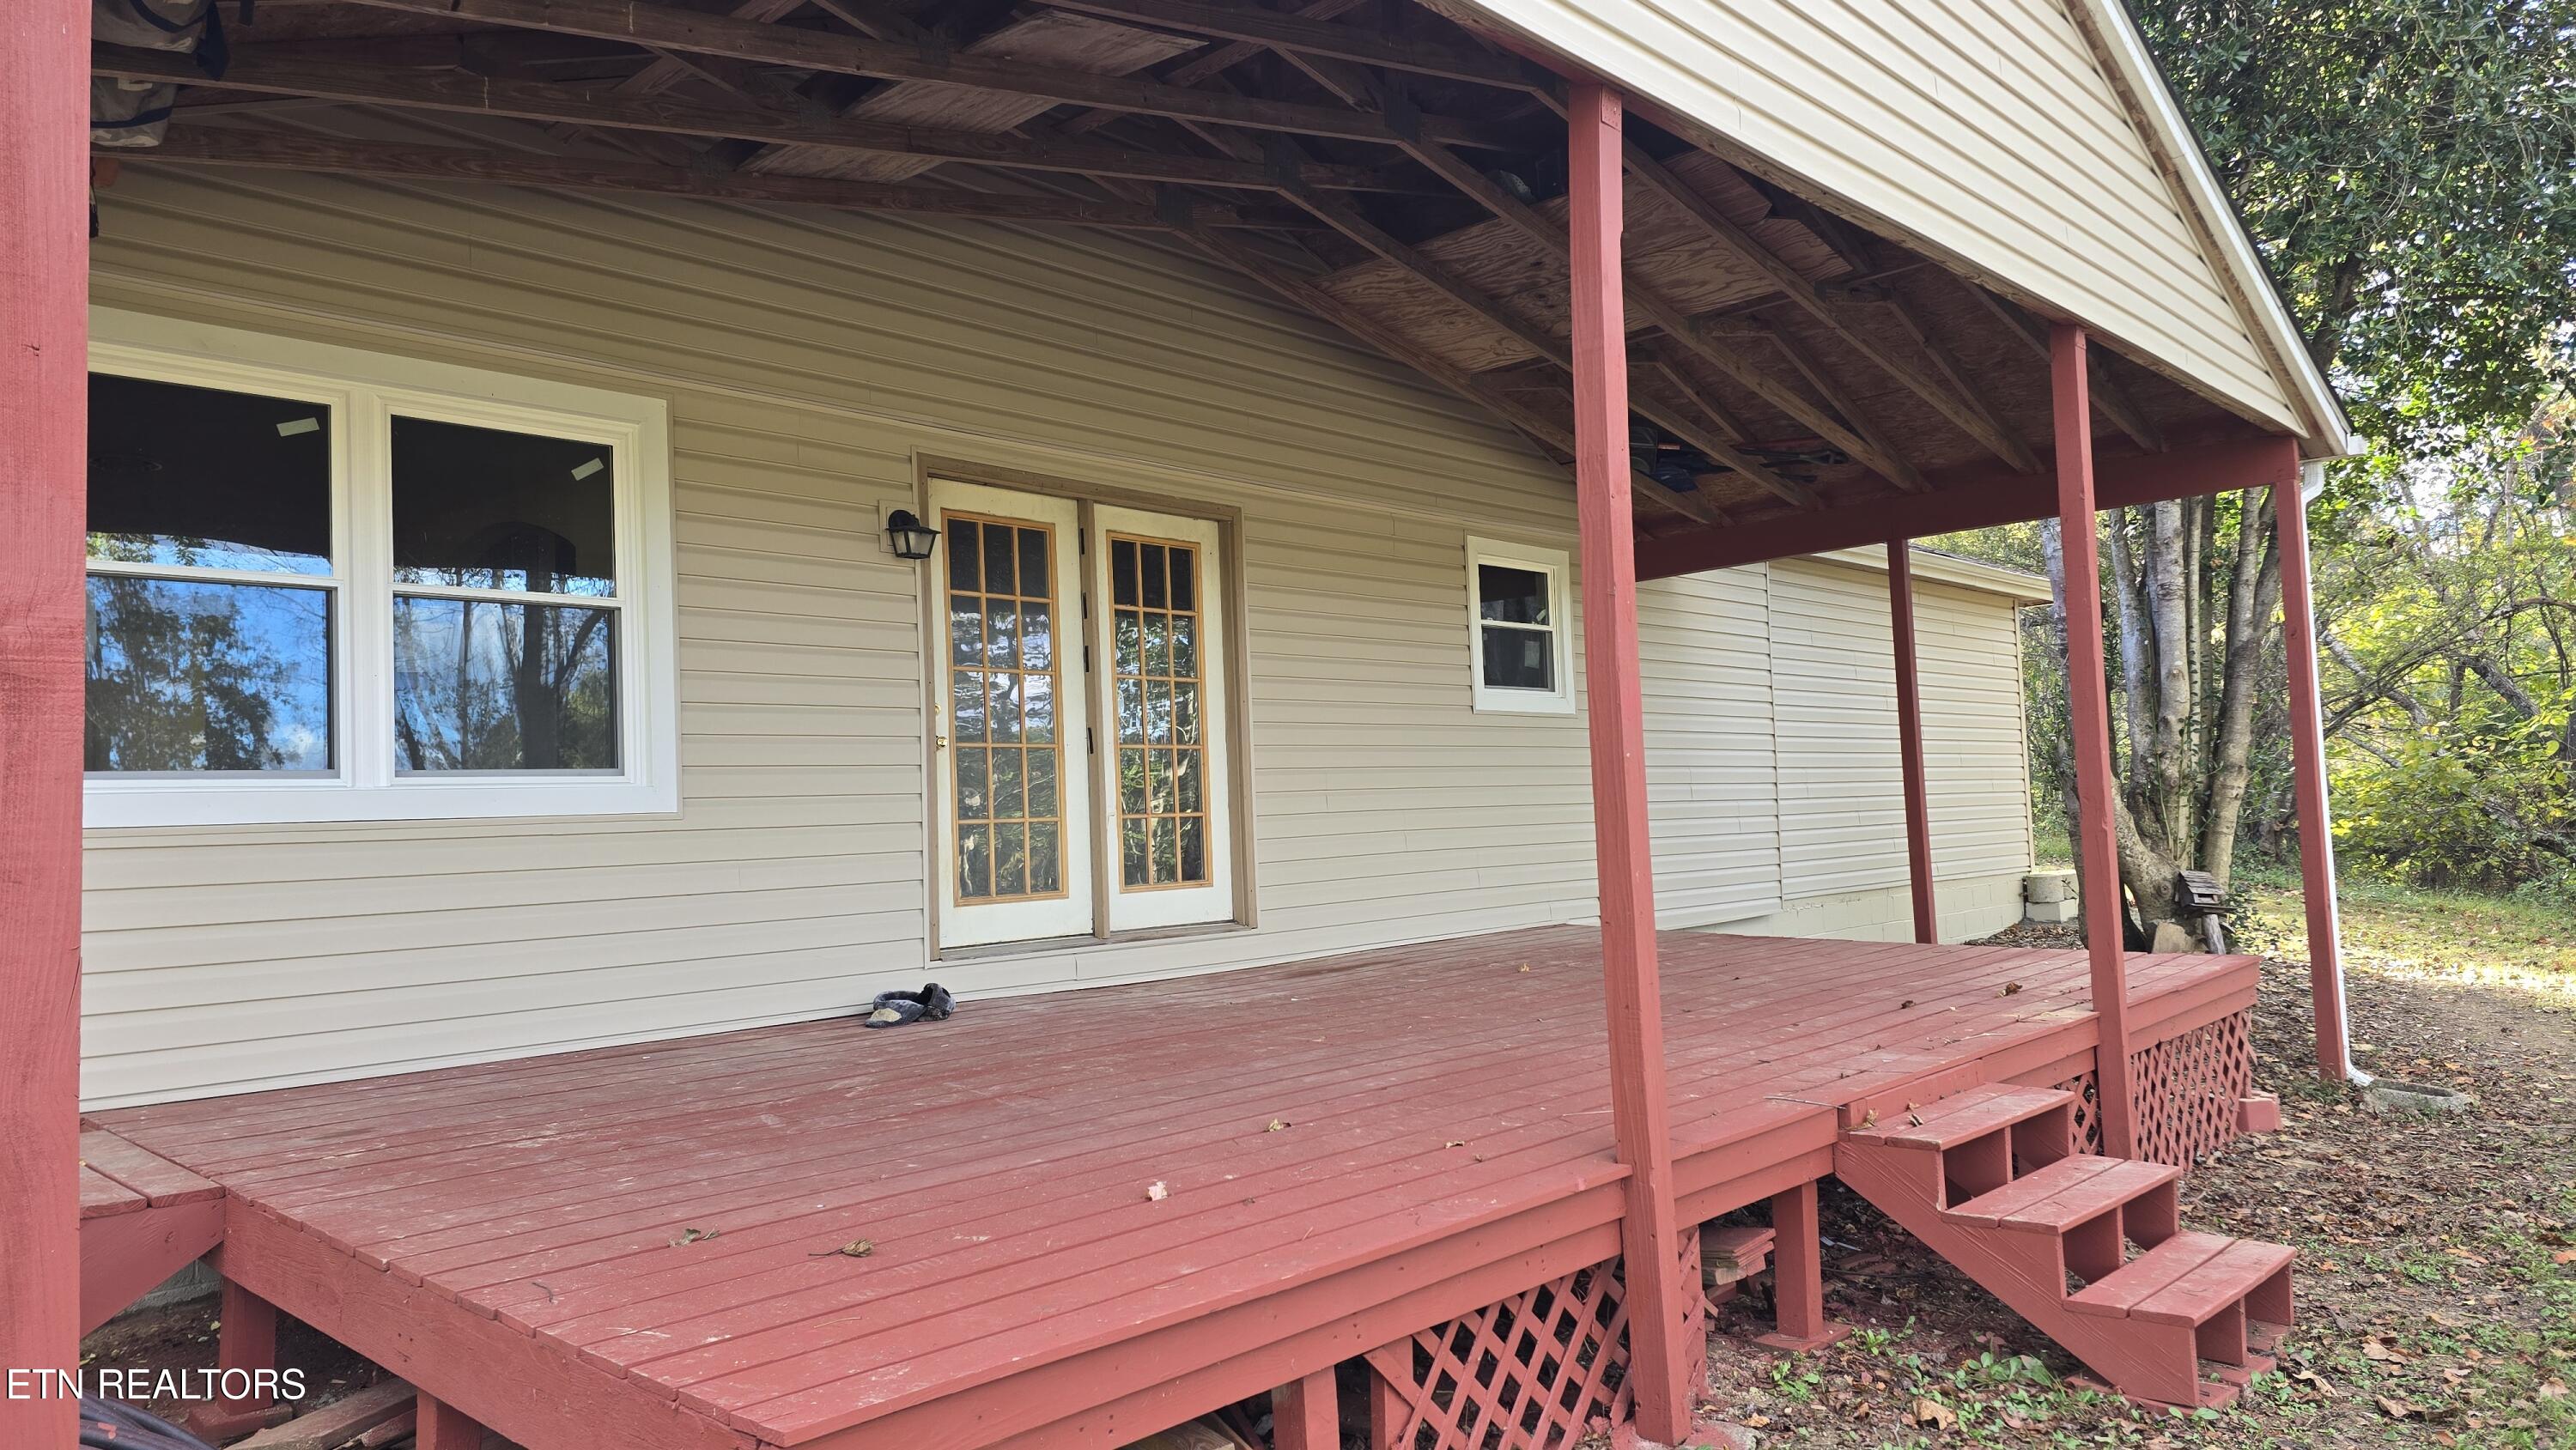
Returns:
<point x="2169" y="616"/>
<point x="2145" y="868"/>
<point x="2254" y="593"/>
<point x="2133" y="651"/>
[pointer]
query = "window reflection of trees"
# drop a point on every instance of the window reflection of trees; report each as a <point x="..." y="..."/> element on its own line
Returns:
<point x="199" y="676"/>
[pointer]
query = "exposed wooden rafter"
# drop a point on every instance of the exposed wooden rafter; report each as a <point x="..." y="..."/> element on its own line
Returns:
<point x="1346" y="219"/>
<point x="450" y="163"/>
<point x="251" y="70"/>
<point x="668" y="27"/>
<point x="2110" y="398"/>
<point x="1545" y="430"/>
<point x="1966" y="410"/>
<point x="1278" y="31"/>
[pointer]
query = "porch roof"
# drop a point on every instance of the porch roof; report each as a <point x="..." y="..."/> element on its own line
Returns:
<point x="1821" y="358"/>
<point x="1086" y="1215"/>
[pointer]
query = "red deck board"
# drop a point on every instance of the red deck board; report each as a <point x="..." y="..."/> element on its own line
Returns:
<point x="104" y="1197"/>
<point x="161" y="1182"/>
<point x="999" y="1161"/>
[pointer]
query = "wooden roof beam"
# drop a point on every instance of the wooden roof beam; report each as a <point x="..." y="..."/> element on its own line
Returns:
<point x="1967" y="411"/>
<point x="1208" y="64"/>
<point x="1667" y="315"/>
<point x="1302" y="36"/>
<point x="1546" y="431"/>
<point x="1831" y="390"/>
<point x="448" y="163"/>
<point x="668" y="27"/>
<point x="2110" y="398"/>
<point x="1346" y="219"/>
<point x="251" y="70"/>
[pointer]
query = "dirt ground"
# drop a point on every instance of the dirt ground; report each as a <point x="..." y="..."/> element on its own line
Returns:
<point x="2436" y="1279"/>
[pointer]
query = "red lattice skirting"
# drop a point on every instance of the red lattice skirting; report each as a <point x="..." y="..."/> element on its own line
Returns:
<point x="2188" y="1089"/>
<point x="1537" y="1371"/>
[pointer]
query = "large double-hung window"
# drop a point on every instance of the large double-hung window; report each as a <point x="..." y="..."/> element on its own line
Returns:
<point x="334" y="585"/>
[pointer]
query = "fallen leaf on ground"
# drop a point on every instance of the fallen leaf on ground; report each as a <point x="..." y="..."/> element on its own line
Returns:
<point x="1277" y="1125"/>
<point x="854" y="1249"/>
<point x="694" y="1236"/>
<point x="1934" y="1413"/>
<point x="2012" y="988"/>
<point x="1155" y="1191"/>
<point x="2396" y="1409"/>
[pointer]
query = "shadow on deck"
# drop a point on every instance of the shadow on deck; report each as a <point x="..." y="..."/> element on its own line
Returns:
<point x="1093" y="1214"/>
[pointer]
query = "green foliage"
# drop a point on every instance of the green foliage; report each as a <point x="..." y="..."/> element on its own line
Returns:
<point x="2406" y="164"/>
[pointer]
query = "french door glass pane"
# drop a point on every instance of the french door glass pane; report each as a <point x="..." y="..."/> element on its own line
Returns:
<point x="1004" y="736"/>
<point x="486" y="685"/>
<point x="194" y="676"/>
<point x="1162" y="758"/>
<point x="485" y="508"/>
<point x="208" y="478"/>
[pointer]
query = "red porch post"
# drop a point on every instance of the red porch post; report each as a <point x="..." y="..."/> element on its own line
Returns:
<point x="44" y="299"/>
<point x="1650" y="1233"/>
<point x="2308" y="783"/>
<point x="1909" y="740"/>
<point x="2089" y="710"/>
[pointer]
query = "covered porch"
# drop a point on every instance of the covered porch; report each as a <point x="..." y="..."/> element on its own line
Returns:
<point x="1088" y="1216"/>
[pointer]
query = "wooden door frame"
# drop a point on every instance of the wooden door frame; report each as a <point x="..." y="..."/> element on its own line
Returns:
<point x="1237" y="742"/>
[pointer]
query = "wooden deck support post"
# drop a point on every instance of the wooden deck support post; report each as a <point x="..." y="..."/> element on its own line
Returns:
<point x="442" y="1426"/>
<point x="2308" y="785"/>
<point x="1306" y="1414"/>
<point x="1909" y="740"/>
<point x="44" y="299"/>
<point x="2088" y="699"/>
<point x="1650" y="1232"/>
<point x="246" y="1339"/>
<point x="1798" y="1274"/>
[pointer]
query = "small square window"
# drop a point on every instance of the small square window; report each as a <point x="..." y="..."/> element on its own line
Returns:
<point x="1517" y="618"/>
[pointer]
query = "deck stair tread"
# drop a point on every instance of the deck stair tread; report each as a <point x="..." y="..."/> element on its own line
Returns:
<point x="1963" y="1117"/>
<point x="2031" y="1189"/>
<point x="2078" y="1191"/>
<point x="2116" y="1294"/>
<point x="2229" y="1275"/>
<point x="2155" y="1326"/>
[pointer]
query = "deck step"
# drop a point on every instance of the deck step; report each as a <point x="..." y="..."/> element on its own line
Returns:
<point x="2065" y="1193"/>
<point x="2115" y="1294"/>
<point x="2226" y="1279"/>
<point x="1962" y="1117"/>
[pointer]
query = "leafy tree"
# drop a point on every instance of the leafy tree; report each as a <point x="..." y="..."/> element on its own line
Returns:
<point x="2408" y="168"/>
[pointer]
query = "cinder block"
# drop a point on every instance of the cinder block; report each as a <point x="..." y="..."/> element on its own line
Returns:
<point x="2051" y="911"/>
<point x="2048" y="886"/>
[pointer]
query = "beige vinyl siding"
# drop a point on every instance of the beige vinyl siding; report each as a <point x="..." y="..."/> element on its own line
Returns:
<point x="809" y="365"/>
<point x="808" y="362"/>
<point x="1842" y="814"/>
<point x="1984" y="128"/>
<point x="1712" y="767"/>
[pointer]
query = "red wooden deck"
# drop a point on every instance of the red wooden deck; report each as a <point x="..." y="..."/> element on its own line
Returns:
<point x="1347" y="1150"/>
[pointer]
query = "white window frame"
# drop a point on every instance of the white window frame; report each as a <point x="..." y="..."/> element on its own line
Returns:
<point x="1558" y="568"/>
<point x="365" y="390"/>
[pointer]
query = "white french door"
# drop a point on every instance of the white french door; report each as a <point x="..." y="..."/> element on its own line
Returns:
<point x="1158" y="644"/>
<point x="1079" y="732"/>
<point x="1008" y="732"/>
